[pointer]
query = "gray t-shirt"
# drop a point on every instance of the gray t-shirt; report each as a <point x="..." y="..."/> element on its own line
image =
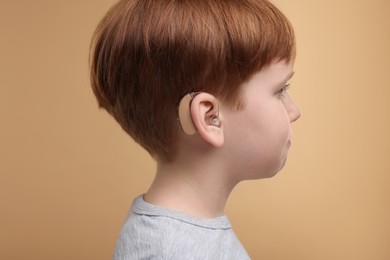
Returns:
<point x="153" y="232"/>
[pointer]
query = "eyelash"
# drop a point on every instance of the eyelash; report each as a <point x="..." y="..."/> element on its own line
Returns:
<point x="284" y="89"/>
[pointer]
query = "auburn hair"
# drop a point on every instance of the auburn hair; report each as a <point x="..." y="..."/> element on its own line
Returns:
<point x="147" y="54"/>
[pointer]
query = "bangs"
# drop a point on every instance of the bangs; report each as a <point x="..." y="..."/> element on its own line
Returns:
<point x="242" y="37"/>
<point x="261" y="35"/>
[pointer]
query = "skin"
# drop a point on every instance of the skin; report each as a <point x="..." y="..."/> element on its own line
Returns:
<point x="262" y="129"/>
<point x="252" y="143"/>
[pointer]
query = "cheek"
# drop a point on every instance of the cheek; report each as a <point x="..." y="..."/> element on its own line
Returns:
<point x="275" y="136"/>
<point x="275" y="125"/>
<point x="258" y="142"/>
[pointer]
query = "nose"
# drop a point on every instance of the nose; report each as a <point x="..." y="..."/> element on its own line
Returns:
<point x="293" y="111"/>
<point x="295" y="114"/>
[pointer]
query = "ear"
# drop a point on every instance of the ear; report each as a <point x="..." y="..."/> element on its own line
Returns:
<point x="204" y="109"/>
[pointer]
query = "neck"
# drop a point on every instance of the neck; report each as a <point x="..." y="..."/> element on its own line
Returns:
<point x="192" y="189"/>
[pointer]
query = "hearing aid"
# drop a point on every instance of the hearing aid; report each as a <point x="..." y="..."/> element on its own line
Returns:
<point x="185" y="117"/>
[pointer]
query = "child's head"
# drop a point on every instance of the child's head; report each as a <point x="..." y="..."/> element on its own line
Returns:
<point x="148" y="54"/>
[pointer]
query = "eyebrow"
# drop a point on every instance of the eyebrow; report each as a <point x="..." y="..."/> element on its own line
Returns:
<point x="289" y="76"/>
<point x="286" y="79"/>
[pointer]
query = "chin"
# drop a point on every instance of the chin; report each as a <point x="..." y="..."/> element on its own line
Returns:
<point x="263" y="174"/>
<point x="274" y="172"/>
<point x="283" y="163"/>
<point x="273" y="167"/>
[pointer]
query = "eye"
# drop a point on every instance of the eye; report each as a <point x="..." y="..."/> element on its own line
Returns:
<point x="283" y="90"/>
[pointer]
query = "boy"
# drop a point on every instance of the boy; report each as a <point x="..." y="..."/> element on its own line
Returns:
<point x="201" y="85"/>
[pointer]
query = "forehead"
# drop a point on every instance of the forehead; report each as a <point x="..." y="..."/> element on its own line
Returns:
<point x="274" y="74"/>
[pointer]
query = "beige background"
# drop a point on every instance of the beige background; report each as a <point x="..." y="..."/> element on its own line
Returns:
<point x="69" y="173"/>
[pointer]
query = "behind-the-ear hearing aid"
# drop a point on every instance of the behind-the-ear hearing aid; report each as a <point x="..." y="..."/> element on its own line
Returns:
<point x="185" y="117"/>
<point x="185" y="114"/>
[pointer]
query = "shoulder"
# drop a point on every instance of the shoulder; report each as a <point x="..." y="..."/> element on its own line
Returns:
<point x="140" y="238"/>
<point x="159" y="237"/>
<point x="151" y="232"/>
